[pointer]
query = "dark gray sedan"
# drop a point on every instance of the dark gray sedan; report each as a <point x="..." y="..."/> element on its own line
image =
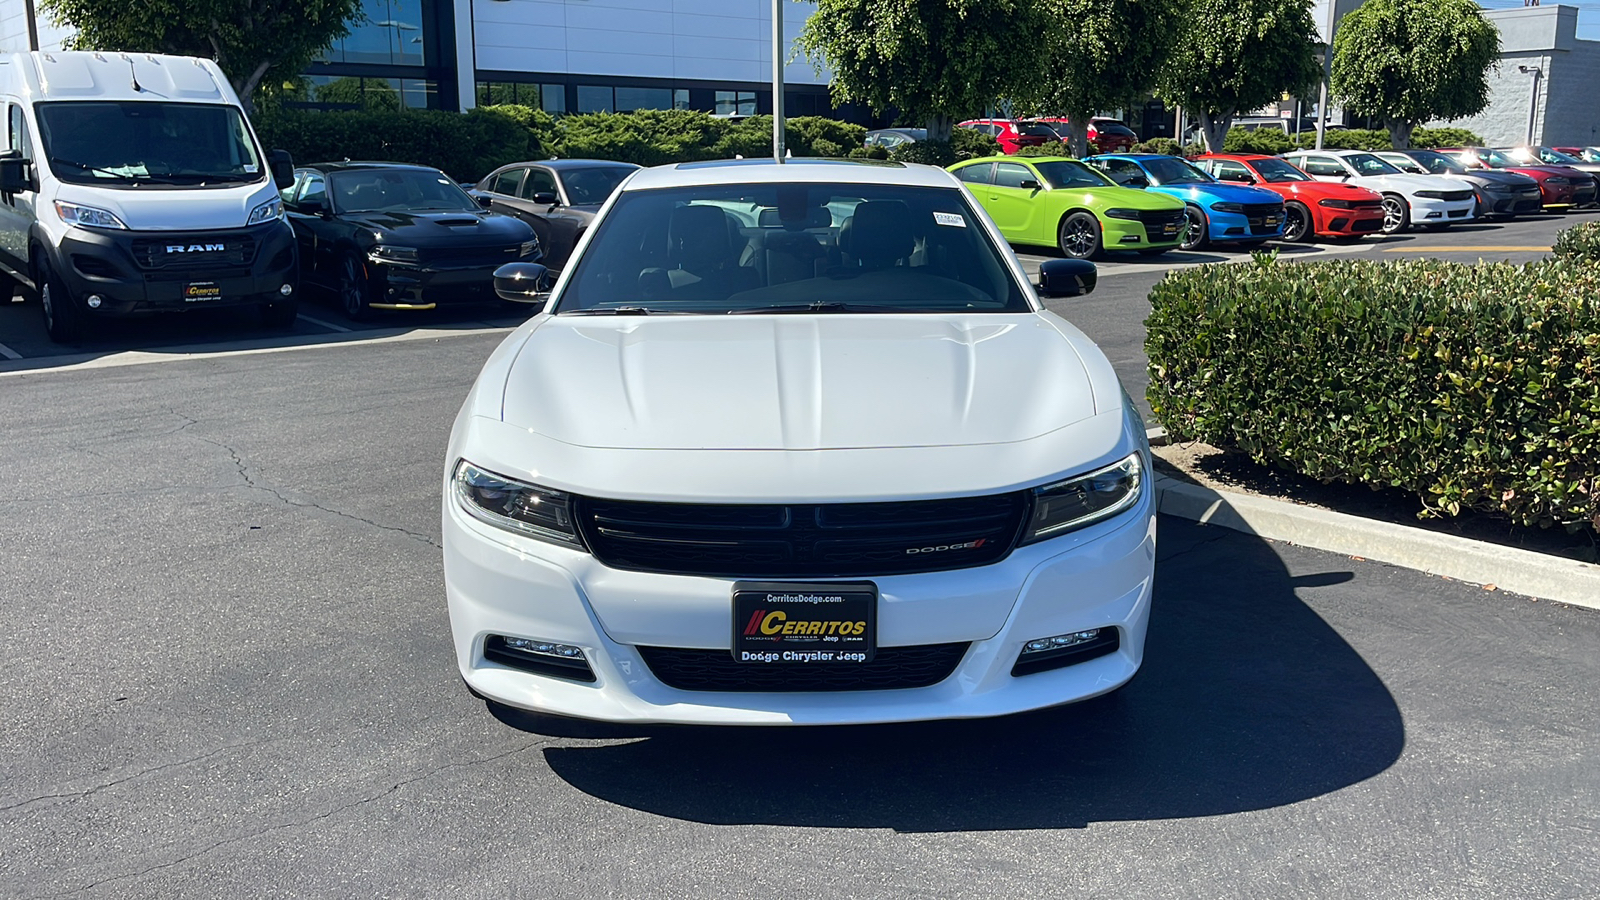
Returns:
<point x="558" y="197"/>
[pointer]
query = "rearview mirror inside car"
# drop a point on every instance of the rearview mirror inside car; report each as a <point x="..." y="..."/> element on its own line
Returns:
<point x="522" y="283"/>
<point x="1067" y="277"/>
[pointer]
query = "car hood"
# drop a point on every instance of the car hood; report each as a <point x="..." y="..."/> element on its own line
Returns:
<point x="1103" y="198"/>
<point x="1498" y="176"/>
<point x="1410" y="184"/>
<point x="442" y="228"/>
<point x="153" y="208"/>
<point x="1221" y="193"/>
<point x="800" y="382"/>
<point x="1312" y="191"/>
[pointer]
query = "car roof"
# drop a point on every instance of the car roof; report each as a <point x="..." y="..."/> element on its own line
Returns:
<point x="560" y="164"/>
<point x="353" y="165"/>
<point x="1134" y="156"/>
<point x="767" y="171"/>
<point x="1241" y="157"/>
<point x="1019" y="159"/>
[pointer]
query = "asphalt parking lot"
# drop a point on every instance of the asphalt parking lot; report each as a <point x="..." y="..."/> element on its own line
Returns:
<point x="228" y="674"/>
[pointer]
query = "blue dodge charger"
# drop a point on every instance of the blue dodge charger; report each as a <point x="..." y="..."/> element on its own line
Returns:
<point x="1218" y="212"/>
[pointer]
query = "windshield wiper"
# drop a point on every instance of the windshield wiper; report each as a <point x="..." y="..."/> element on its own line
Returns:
<point x="622" y="311"/>
<point x="820" y="306"/>
<point x="88" y="168"/>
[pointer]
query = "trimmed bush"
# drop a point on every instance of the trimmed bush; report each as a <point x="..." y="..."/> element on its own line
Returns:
<point x="965" y="143"/>
<point x="1160" y="145"/>
<point x="1054" y="148"/>
<point x="1261" y="140"/>
<point x="464" y="146"/>
<point x="1473" y="386"/>
<point x="1429" y="138"/>
<point x="1580" y="243"/>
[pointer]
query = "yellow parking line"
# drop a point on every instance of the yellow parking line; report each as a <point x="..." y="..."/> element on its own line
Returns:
<point x="1485" y="249"/>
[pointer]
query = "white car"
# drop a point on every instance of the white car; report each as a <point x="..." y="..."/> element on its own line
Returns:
<point x="822" y="469"/>
<point x="1426" y="200"/>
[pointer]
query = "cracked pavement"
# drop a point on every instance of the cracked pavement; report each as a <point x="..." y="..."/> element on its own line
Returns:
<point x="228" y="674"/>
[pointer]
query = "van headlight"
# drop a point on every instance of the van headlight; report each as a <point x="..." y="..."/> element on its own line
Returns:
<point x="1077" y="502"/>
<point x="516" y="506"/>
<point x="272" y="209"/>
<point x="87" y="216"/>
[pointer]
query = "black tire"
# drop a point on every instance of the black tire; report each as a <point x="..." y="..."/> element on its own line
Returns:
<point x="1396" y="214"/>
<point x="278" y="313"/>
<point x="1079" y="236"/>
<point x="355" y="290"/>
<point x="1298" y="226"/>
<point x="1194" y="235"/>
<point x="63" y="321"/>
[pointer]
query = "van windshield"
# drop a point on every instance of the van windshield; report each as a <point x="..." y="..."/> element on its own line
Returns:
<point x="147" y="142"/>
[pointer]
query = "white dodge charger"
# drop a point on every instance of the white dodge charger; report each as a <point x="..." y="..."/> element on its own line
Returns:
<point x="796" y="444"/>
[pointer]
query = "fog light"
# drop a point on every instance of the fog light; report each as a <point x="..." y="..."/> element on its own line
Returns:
<point x="544" y="648"/>
<point x="1433" y="215"/>
<point x="1062" y="650"/>
<point x="95" y="300"/>
<point x="539" y="657"/>
<point x="286" y="290"/>
<point x="1061" y="640"/>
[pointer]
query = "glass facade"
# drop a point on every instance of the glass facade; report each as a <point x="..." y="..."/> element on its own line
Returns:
<point x="398" y="55"/>
<point x="391" y="34"/>
<point x="735" y="103"/>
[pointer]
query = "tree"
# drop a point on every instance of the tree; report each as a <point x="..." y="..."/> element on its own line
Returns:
<point x="1103" y="54"/>
<point x="933" y="60"/>
<point x="249" y="39"/>
<point x="1238" y="55"/>
<point x="1413" y="61"/>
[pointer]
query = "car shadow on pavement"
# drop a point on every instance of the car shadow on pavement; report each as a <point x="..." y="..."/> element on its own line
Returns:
<point x="1247" y="700"/>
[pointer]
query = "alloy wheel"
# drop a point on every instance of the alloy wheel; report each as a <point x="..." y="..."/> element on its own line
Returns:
<point x="1296" y="224"/>
<point x="1078" y="239"/>
<point x="1394" y="214"/>
<point x="1194" y="232"/>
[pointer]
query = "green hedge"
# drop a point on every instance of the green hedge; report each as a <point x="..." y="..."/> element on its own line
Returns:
<point x="1271" y="140"/>
<point x="465" y="146"/>
<point x="965" y="143"/>
<point x="1160" y="145"/>
<point x="1473" y="386"/>
<point x="1579" y="243"/>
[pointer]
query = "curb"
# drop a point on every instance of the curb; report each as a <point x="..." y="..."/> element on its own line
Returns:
<point x="1505" y="568"/>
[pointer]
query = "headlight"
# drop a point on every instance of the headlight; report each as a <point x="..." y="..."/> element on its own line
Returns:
<point x="516" y="506"/>
<point x="1228" y="207"/>
<point x="87" y="216"/>
<point x="1072" y="504"/>
<point x="1556" y="179"/>
<point x="1495" y="187"/>
<point x="1120" y="213"/>
<point x="529" y="248"/>
<point x="1333" y="203"/>
<point x="271" y="209"/>
<point x="393" y="254"/>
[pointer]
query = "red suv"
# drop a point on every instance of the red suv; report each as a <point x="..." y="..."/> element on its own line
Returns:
<point x="1013" y="136"/>
<point x="1106" y="135"/>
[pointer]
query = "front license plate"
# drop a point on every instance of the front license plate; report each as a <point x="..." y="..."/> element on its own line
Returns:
<point x="200" y="291"/>
<point x="817" y="624"/>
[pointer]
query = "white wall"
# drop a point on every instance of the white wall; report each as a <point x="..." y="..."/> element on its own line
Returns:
<point x="14" y="28"/>
<point x="693" y="40"/>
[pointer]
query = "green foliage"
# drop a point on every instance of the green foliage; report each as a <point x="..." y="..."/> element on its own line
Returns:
<point x="1580" y="243"/>
<point x="1103" y="54"/>
<point x="929" y="153"/>
<point x="934" y="60"/>
<point x="1161" y="145"/>
<point x="1473" y="386"/>
<point x="465" y="146"/>
<point x="543" y="137"/>
<point x="1233" y="55"/>
<point x="1429" y="138"/>
<point x="249" y="39"/>
<point x="374" y="94"/>
<point x="1413" y="61"/>
<point x="970" y="144"/>
<point x="1260" y="140"/>
<point x="873" y="152"/>
<point x="646" y="137"/>
<point x="1054" y="148"/>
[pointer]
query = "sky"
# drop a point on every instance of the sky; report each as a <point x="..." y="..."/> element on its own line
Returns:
<point x="1588" y="13"/>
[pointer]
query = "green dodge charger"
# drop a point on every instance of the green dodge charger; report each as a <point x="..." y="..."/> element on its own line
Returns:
<point x="1058" y="201"/>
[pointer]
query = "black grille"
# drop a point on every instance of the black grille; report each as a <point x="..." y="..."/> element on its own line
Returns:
<point x="472" y="256"/>
<point x="1455" y="196"/>
<point x="1155" y="222"/>
<point x="1263" y="209"/>
<point x="1373" y="205"/>
<point x="802" y="541"/>
<point x="892" y="668"/>
<point x="1256" y="213"/>
<point x="192" y="252"/>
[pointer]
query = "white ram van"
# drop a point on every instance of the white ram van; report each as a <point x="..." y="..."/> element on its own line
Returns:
<point x="133" y="184"/>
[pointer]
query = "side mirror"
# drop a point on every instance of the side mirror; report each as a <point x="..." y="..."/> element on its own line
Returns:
<point x="1031" y="184"/>
<point x="484" y="200"/>
<point x="545" y="197"/>
<point x="281" y="164"/>
<point x="522" y="283"/>
<point x="1067" y="277"/>
<point x="1137" y="182"/>
<point x="313" y="206"/>
<point x="14" y="177"/>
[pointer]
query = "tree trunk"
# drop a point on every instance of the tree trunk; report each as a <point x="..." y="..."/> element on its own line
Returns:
<point x="246" y="89"/>
<point x="1214" y="128"/>
<point x="1078" y="135"/>
<point x="1400" y="134"/>
<point x="939" y="127"/>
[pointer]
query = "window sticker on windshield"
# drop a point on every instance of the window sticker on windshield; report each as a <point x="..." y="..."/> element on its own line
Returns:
<point x="251" y="168"/>
<point x="950" y="219"/>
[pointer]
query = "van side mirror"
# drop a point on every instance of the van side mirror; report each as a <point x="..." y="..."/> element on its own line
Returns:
<point x="281" y="164"/>
<point x="1067" y="277"/>
<point x="522" y="283"/>
<point x="14" y="175"/>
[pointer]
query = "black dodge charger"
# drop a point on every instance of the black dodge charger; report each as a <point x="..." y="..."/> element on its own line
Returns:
<point x="391" y="236"/>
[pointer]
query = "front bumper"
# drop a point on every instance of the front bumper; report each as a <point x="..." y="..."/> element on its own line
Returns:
<point x="1230" y="226"/>
<point x="1428" y="211"/>
<point x="498" y="583"/>
<point x="1128" y="234"/>
<point x="139" y="272"/>
<point x="1500" y="203"/>
<point x="424" y="286"/>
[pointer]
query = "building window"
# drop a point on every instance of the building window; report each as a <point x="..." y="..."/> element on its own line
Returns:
<point x="736" y="103"/>
<point x="680" y="98"/>
<point x="390" y="32"/>
<point x="629" y="98"/>
<point x="594" y="98"/>
<point x="553" y="98"/>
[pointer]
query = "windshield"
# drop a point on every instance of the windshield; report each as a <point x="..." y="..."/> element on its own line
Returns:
<point x="147" y="142"/>
<point x="1554" y="156"/>
<point x="1591" y="154"/>
<point x="1437" y="163"/>
<point x="591" y="187"/>
<point x="1172" y="170"/>
<point x="1496" y="159"/>
<point x="1277" y="171"/>
<point x="397" y="190"/>
<point x="1038" y="129"/>
<point x="1367" y="164"/>
<point x="791" y="248"/>
<point x="1071" y="174"/>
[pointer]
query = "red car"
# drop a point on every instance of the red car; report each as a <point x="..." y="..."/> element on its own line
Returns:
<point x="1013" y="136"/>
<point x="1310" y="207"/>
<point x="1106" y="135"/>
<point x="1559" y="186"/>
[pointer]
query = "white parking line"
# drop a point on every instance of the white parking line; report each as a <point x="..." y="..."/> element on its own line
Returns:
<point x="9" y="353"/>
<point x="328" y="325"/>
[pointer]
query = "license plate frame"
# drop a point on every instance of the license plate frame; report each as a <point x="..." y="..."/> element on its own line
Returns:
<point x="761" y="610"/>
<point x="202" y="292"/>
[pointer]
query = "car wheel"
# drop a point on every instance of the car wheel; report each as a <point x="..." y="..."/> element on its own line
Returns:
<point x="1296" y="223"/>
<point x="354" y="289"/>
<point x="62" y="320"/>
<point x="1396" y="213"/>
<point x="1194" y="234"/>
<point x="278" y="313"/>
<point x="1079" y="236"/>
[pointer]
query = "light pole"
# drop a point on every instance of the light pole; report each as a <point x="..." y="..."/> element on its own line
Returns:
<point x="1533" y="98"/>
<point x="1327" y="76"/>
<point x="777" y="80"/>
